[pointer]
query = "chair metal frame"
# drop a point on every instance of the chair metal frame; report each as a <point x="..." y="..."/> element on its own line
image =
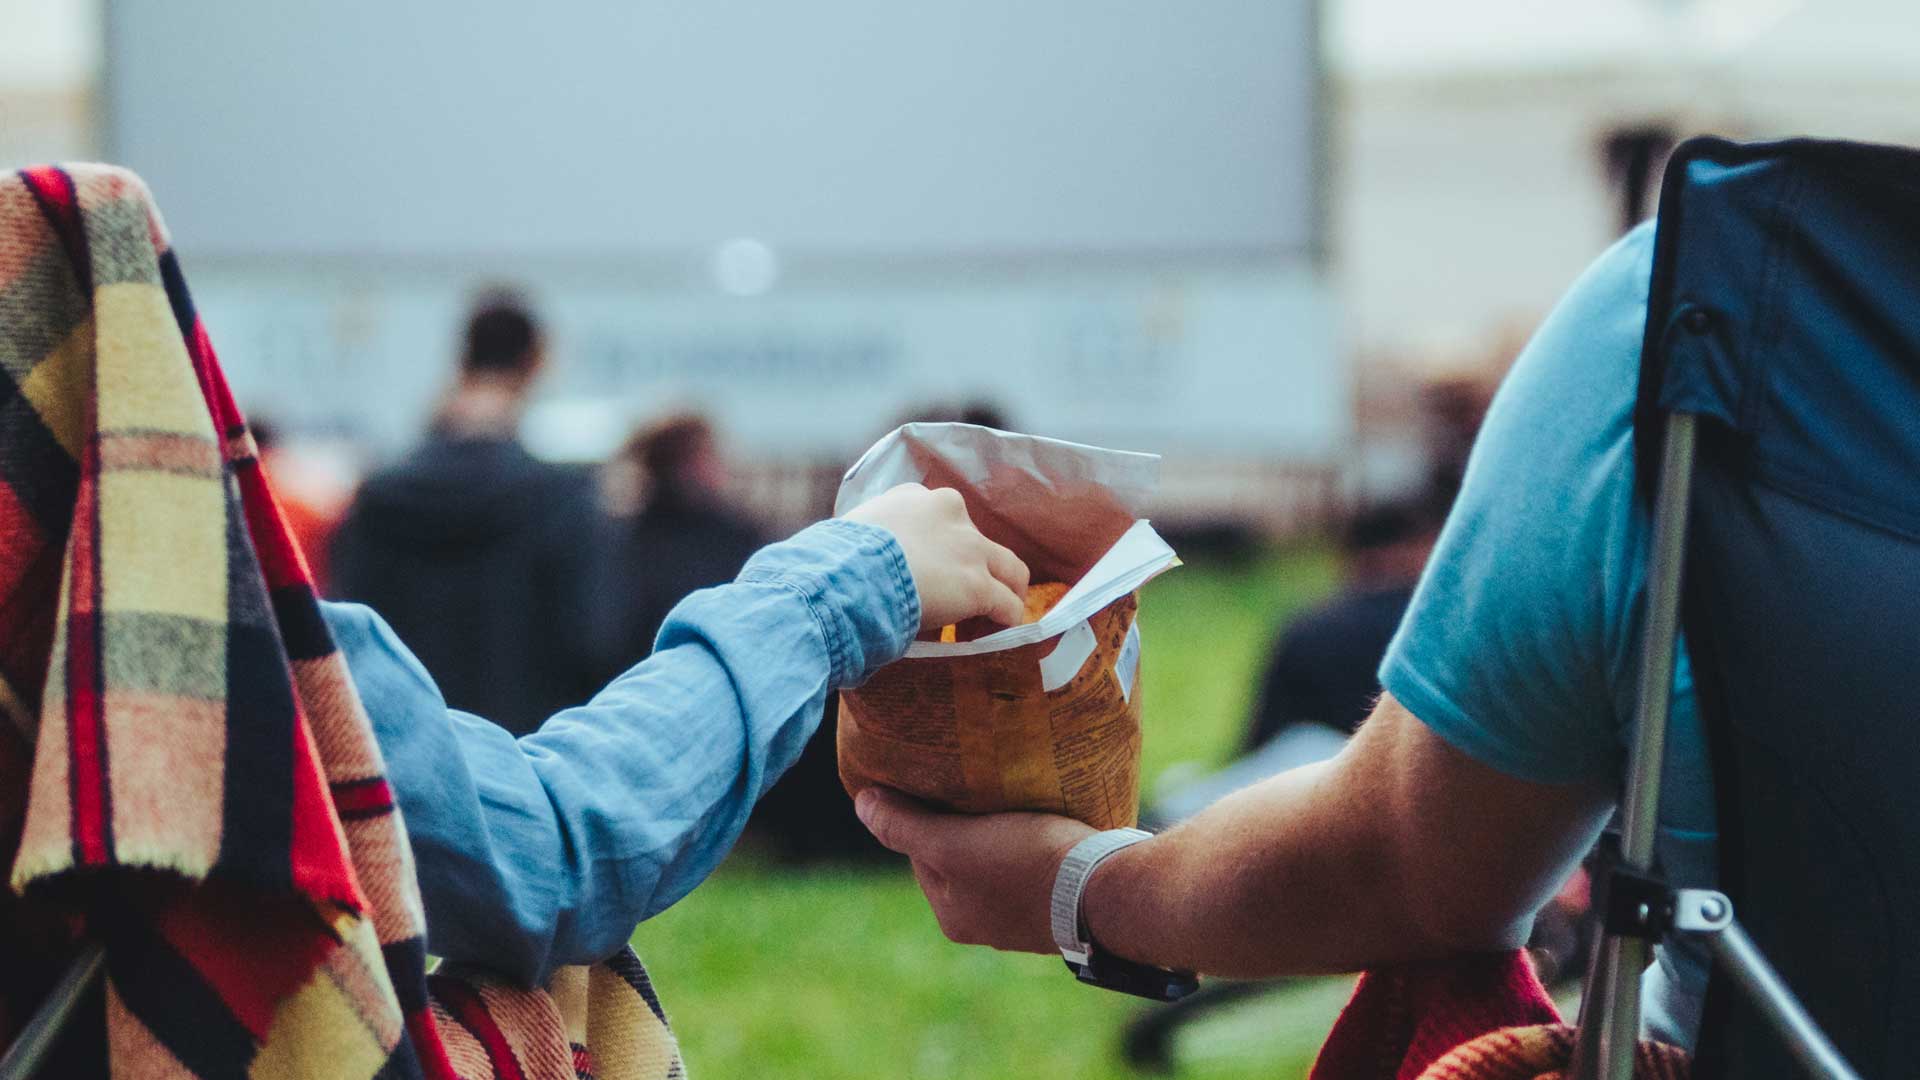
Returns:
<point x="1638" y="909"/>
<point x="25" y="1056"/>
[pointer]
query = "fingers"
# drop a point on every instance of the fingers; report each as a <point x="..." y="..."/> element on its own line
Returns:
<point x="1002" y="596"/>
<point x="958" y="571"/>
<point x="1004" y="565"/>
<point x="899" y="823"/>
<point x="1002" y="604"/>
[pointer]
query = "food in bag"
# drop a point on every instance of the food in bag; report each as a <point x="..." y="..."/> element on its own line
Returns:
<point x="1042" y="716"/>
<point x="1040" y="600"/>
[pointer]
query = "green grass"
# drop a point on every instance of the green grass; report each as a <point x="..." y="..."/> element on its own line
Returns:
<point x="835" y="973"/>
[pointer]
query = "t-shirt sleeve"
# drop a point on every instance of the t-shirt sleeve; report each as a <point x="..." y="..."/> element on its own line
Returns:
<point x="1513" y="645"/>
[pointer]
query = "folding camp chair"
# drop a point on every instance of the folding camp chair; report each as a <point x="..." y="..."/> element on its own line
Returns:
<point x="1780" y="413"/>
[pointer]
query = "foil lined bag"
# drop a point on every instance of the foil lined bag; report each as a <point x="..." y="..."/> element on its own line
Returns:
<point x="1043" y="716"/>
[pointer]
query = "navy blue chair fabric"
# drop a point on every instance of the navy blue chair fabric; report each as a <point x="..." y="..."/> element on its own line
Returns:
<point x="1785" y="312"/>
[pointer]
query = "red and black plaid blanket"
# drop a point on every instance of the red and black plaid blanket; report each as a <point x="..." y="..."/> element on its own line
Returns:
<point x="1479" y="1016"/>
<point x="186" y="772"/>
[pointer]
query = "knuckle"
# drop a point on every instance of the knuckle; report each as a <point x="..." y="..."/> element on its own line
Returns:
<point x="957" y="927"/>
<point x="982" y="587"/>
<point x="1021" y="573"/>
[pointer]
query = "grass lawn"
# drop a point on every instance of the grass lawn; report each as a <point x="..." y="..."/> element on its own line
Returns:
<point x="837" y="973"/>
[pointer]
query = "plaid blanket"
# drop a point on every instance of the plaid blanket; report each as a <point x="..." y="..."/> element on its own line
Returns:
<point x="186" y="772"/>
<point x="1482" y="1016"/>
<point x="1545" y="1052"/>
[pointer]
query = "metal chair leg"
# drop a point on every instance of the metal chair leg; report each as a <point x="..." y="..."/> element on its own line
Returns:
<point x="1610" y="1011"/>
<point x="1736" y="952"/>
<point x="24" y="1057"/>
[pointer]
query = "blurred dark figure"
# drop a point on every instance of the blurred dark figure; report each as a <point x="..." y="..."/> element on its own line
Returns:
<point x="985" y="414"/>
<point x="685" y="536"/>
<point x="807" y="816"/>
<point x="978" y="411"/>
<point x="1452" y="409"/>
<point x="1320" y="681"/>
<point x="1323" y="667"/>
<point x="475" y="552"/>
<point x="1634" y="157"/>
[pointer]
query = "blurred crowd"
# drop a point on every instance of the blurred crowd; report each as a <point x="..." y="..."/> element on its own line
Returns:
<point x="526" y="585"/>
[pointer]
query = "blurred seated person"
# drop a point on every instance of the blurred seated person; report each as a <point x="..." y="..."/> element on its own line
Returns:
<point x="478" y="554"/>
<point x="1322" y="670"/>
<point x="684" y="538"/>
<point x="1483" y="776"/>
<point x="1319" y="683"/>
<point x="547" y="849"/>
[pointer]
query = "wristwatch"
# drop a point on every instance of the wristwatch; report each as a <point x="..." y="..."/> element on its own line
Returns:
<point x="1085" y="958"/>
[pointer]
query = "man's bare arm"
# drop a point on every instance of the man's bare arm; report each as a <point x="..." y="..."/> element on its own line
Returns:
<point x="1401" y="847"/>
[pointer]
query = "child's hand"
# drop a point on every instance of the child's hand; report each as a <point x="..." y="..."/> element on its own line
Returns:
<point x="959" y="573"/>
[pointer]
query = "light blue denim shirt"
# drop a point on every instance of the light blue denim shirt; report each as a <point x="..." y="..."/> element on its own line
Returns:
<point x="548" y="849"/>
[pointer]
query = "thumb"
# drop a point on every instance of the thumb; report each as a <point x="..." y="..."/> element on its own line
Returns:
<point x="896" y="821"/>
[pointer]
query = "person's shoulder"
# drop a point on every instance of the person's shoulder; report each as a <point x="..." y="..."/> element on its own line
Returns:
<point x="562" y="492"/>
<point x="383" y="668"/>
<point x="1606" y="306"/>
<point x="391" y="473"/>
<point x="1569" y="395"/>
<point x="1626" y="264"/>
<point x="1511" y="648"/>
<point x="355" y="626"/>
<point x="397" y="476"/>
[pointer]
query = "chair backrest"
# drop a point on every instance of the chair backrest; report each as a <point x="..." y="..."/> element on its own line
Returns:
<point x="1785" y="313"/>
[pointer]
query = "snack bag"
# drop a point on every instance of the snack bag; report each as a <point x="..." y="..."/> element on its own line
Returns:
<point x="1042" y="716"/>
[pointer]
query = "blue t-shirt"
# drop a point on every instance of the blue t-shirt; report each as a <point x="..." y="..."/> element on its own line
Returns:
<point x="1521" y="646"/>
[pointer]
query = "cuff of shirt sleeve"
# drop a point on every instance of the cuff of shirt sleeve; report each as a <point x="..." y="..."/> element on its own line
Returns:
<point x="854" y="578"/>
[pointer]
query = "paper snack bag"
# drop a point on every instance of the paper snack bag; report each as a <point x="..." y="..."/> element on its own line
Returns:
<point x="1044" y="716"/>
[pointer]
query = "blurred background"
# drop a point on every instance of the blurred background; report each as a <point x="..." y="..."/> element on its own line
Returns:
<point x="1289" y="244"/>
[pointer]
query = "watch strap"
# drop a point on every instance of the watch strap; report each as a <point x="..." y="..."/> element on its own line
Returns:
<point x="1071" y="882"/>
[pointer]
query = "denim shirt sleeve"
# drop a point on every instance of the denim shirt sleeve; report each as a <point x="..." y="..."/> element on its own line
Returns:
<point x="547" y="850"/>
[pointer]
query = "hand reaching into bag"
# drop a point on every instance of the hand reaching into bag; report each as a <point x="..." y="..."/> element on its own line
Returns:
<point x="958" y="572"/>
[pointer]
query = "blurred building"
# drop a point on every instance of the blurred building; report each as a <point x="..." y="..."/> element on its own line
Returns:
<point x="1443" y="174"/>
<point x="1470" y="139"/>
<point x="1479" y="151"/>
<point x="49" y="54"/>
